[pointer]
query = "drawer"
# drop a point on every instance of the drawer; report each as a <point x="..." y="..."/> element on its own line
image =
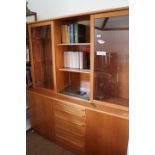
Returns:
<point x="71" y="139"/>
<point x="70" y="127"/>
<point x="69" y="117"/>
<point x="70" y="108"/>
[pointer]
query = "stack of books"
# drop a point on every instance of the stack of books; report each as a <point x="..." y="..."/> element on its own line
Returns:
<point x="73" y="33"/>
<point x="76" y="59"/>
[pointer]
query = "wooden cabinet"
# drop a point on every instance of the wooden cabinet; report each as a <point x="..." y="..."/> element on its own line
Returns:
<point x="106" y="134"/>
<point x="70" y="126"/>
<point x="41" y="115"/>
<point x="62" y="87"/>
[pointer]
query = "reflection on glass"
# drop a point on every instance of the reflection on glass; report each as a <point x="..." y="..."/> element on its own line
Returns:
<point x="111" y="60"/>
<point x="42" y="56"/>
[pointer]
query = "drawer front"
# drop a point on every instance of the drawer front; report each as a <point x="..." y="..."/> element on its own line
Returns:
<point x="70" y="108"/>
<point x="70" y="127"/>
<point x="70" y="122"/>
<point x="70" y="118"/>
<point x="70" y="112"/>
<point x="72" y="139"/>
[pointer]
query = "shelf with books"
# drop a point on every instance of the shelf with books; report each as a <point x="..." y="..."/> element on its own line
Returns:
<point x="73" y="32"/>
<point x="72" y="53"/>
<point x="76" y="70"/>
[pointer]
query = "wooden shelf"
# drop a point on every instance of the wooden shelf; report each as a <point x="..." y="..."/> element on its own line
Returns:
<point x="74" y="44"/>
<point x="85" y="71"/>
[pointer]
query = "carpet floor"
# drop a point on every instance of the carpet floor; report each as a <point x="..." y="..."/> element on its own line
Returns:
<point x="37" y="145"/>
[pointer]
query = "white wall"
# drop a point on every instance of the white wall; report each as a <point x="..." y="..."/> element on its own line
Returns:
<point x="53" y="8"/>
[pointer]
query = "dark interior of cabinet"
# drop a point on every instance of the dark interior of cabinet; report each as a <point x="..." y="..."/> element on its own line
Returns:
<point x="77" y="85"/>
<point x="111" y="67"/>
<point x="42" y="56"/>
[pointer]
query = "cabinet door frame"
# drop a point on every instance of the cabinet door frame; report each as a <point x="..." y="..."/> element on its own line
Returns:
<point x="103" y="131"/>
<point x="38" y="24"/>
<point x="122" y="12"/>
<point x="41" y="114"/>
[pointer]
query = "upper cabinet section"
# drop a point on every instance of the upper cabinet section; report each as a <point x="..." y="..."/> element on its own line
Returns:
<point x="41" y="52"/>
<point x="111" y="57"/>
<point x="83" y="56"/>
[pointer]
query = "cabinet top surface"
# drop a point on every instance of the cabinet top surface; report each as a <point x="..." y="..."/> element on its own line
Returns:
<point x="104" y="107"/>
<point x="81" y="15"/>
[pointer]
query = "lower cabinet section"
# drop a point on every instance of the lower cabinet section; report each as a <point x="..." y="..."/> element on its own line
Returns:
<point x="41" y="115"/>
<point x="76" y="128"/>
<point x="106" y="135"/>
<point x="70" y="126"/>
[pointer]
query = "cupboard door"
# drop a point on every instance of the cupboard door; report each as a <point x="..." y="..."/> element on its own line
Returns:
<point x="41" y="115"/>
<point x="41" y="55"/>
<point x="111" y="57"/>
<point x="105" y="134"/>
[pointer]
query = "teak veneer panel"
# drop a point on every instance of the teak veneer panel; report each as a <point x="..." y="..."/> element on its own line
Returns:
<point x="105" y="134"/>
<point x="70" y="118"/>
<point x="92" y="49"/>
<point x="70" y="146"/>
<point x="84" y="71"/>
<point x="61" y="77"/>
<point x="112" y="13"/>
<point x="41" y="115"/>
<point x="70" y="127"/>
<point x="71" y="109"/>
<point x="78" y="141"/>
<point x="98" y="106"/>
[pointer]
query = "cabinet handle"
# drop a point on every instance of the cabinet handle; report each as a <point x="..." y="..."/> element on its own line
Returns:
<point x="93" y="104"/>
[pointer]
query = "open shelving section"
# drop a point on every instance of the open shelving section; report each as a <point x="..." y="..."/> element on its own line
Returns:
<point x="73" y="56"/>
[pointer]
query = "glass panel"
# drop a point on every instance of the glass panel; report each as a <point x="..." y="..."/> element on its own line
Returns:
<point x="111" y="81"/>
<point x="42" y="56"/>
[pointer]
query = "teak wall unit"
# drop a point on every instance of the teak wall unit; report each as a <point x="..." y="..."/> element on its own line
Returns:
<point x="94" y="123"/>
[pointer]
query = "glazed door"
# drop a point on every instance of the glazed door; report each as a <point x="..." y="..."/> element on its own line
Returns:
<point x="111" y="57"/>
<point x="41" y="55"/>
